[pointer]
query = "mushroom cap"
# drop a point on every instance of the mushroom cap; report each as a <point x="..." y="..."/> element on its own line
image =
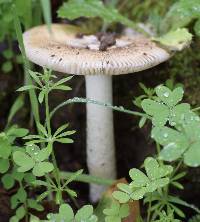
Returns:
<point x="62" y="51"/>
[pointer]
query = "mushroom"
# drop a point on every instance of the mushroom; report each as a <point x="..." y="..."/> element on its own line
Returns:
<point x="68" y="52"/>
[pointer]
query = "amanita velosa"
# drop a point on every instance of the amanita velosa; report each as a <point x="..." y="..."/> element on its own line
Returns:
<point x="66" y="52"/>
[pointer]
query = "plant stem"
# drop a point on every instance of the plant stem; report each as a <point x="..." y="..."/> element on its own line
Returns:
<point x="149" y="210"/>
<point x="85" y="100"/>
<point x="48" y="122"/>
<point x="50" y="144"/>
<point x="196" y="109"/>
<point x="87" y="179"/>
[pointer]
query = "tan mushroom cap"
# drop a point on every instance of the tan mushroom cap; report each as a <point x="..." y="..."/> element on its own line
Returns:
<point x="59" y="52"/>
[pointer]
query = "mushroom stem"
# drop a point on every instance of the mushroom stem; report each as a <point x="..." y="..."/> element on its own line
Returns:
<point x="100" y="135"/>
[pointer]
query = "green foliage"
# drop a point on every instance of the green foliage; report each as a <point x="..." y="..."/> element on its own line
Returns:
<point x="25" y="10"/>
<point x="46" y="7"/>
<point x="181" y="14"/>
<point x="181" y="140"/>
<point x="85" y="214"/>
<point x="167" y="217"/>
<point x="17" y="105"/>
<point x="116" y="212"/>
<point x="195" y="219"/>
<point x="156" y="177"/>
<point x="165" y="107"/>
<point x="34" y="158"/>
<point x="74" y="9"/>
<point x="175" y="40"/>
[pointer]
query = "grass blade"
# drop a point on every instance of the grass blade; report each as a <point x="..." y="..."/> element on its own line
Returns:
<point x="32" y="94"/>
<point x="46" y="7"/>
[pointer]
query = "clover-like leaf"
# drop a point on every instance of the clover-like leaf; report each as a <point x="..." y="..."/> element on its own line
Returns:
<point x="170" y="98"/>
<point x="166" y="107"/>
<point x="116" y="212"/>
<point x="24" y="161"/>
<point x="183" y="142"/>
<point x="5" y="147"/>
<point x="85" y="214"/>
<point x="154" y="171"/>
<point x="158" y="111"/>
<point x="138" y="177"/>
<point x="65" y="214"/>
<point x="41" y="168"/>
<point x="156" y="177"/>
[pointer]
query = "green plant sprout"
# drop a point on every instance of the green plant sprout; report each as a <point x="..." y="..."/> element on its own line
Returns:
<point x="156" y="177"/>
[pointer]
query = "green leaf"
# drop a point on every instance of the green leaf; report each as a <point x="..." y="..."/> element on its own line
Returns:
<point x="173" y="141"/>
<point x="5" y="148"/>
<point x="113" y="210"/>
<point x="17" y="132"/>
<point x="29" y="178"/>
<point x="62" y="87"/>
<point x="138" y="177"/>
<point x="60" y="129"/>
<point x="181" y="14"/>
<point x="17" y="105"/>
<point x="24" y="161"/>
<point x="197" y="27"/>
<point x="64" y="140"/>
<point x="66" y="211"/>
<point x="21" y="195"/>
<point x="7" y="66"/>
<point x="42" y="129"/>
<point x="138" y="194"/>
<point x="34" y="205"/>
<point x="175" y="40"/>
<point x="32" y="94"/>
<point x="60" y="82"/>
<point x="40" y="169"/>
<point x="41" y="96"/>
<point x="159" y="111"/>
<point x="124" y="211"/>
<point x="8" y="181"/>
<point x="25" y="88"/>
<point x="67" y="133"/>
<point x="142" y="121"/>
<point x="4" y="165"/>
<point x="154" y="171"/>
<point x="170" y="98"/>
<point x="34" y="75"/>
<point x="46" y="7"/>
<point x="8" y="54"/>
<point x="34" y="219"/>
<point x="73" y="177"/>
<point x="121" y="196"/>
<point x="192" y="156"/>
<point x="20" y="212"/>
<point x="84" y="214"/>
<point x="74" y="9"/>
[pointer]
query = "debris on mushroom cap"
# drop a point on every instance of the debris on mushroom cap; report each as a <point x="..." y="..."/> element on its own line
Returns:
<point x="64" y="52"/>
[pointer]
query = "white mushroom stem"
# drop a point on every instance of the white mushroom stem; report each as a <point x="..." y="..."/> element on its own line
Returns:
<point x="100" y="135"/>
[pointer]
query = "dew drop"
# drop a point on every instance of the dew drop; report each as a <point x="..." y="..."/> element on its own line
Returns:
<point x="166" y="94"/>
<point x="165" y="135"/>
